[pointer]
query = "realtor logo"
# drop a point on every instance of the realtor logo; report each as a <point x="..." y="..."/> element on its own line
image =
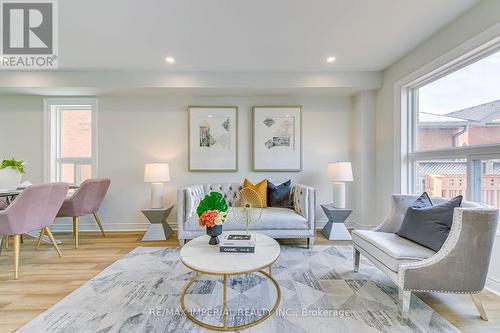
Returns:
<point x="29" y="34"/>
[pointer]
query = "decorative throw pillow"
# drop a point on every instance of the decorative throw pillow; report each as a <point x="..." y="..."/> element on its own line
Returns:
<point x="279" y="196"/>
<point x="422" y="201"/>
<point x="260" y="188"/>
<point x="429" y="226"/>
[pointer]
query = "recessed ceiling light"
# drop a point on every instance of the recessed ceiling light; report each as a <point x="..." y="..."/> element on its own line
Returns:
<point x="170" y="60"/>
<point x="330" y="59"/>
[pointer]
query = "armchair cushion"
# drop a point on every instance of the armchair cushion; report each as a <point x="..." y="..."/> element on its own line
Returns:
<point x="390" y="249"/>
<point x="429" y="226"/>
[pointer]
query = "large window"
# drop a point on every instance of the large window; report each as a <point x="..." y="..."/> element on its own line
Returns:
<point x="454" y="130"/>
<point x="71" y="139"/>
<point x="462" y="108"/>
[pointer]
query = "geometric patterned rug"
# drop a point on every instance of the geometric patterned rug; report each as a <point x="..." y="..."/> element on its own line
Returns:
<point x="320" y="293"/>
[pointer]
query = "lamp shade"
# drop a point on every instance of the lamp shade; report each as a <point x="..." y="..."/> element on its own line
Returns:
<point x="340" y="172"/>
<point x="156" y="173"/>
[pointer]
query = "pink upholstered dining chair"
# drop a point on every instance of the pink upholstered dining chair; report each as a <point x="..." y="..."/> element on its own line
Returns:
<point x="35" y="208"/>
<point x="86" y="200"/>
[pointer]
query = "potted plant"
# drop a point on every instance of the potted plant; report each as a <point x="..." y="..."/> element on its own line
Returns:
<point x="11" y="172"/>
<point x="212" y="213"/>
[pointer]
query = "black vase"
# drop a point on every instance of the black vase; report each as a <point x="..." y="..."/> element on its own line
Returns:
<point x="213" y="232"/>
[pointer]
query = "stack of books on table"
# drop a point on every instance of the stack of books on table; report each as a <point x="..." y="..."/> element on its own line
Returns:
<point x="240" y="243"/>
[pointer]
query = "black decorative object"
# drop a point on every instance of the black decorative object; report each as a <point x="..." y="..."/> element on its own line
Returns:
<point x="213" y="232"/>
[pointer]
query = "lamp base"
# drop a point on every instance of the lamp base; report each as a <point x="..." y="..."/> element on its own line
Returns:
<point x="339" y="195"/>
<point x="156" y="195"/>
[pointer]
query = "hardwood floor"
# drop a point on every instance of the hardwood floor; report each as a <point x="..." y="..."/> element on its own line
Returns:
<point x="44" y="279"/>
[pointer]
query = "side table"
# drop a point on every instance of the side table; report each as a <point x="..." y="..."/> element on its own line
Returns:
<point x="159" y="229"/>
<point x="335" y="229"/>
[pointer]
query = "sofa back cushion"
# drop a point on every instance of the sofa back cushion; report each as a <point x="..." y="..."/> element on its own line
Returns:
<point x="228" y="190"/>
<point x="429" y="226"/>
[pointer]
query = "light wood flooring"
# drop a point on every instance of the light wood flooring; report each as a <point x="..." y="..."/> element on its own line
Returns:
<point x="45" y="279"/>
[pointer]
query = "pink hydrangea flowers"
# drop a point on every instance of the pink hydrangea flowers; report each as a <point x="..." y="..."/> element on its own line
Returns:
<point x="211" y="218"/>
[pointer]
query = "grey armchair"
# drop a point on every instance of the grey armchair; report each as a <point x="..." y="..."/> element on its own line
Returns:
<point x="460" y="266"/>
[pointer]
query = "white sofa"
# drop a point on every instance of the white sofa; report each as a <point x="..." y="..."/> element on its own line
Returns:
<point x="274" y="222"/>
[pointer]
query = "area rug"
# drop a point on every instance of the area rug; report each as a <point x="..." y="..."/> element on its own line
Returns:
<point x="320" y="293"/>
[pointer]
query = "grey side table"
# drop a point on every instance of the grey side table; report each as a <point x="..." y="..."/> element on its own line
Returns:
<point x="335" y="229"/>
<point x="159" y="228"/>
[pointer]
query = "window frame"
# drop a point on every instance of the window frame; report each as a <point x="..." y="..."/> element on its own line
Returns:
<point x="406" y="115"/>
<point x="52" y="137"/>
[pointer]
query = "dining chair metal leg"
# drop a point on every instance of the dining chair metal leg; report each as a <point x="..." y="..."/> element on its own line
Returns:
<point x="52" y="239"/>
<point x="2" y="239"/>
<point x="22" y="239"/>
<point x="42" y="232"/>
<point x="98" y="221"/>
<point x="6" y="244"/>
<point x="75" y="230"/>
<point x="17" y="243"/>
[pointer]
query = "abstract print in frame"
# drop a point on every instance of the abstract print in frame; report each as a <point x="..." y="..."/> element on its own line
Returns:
<point x="213" y="144"/>
<point x="277" y="138"/>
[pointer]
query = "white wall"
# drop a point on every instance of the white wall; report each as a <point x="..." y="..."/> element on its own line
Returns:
<point x="479" y="20"/>
<point x="134" y="130"/>
<point x="363" y="159"/>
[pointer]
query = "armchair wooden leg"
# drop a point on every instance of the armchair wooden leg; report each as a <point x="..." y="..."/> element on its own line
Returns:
<point x="2" y="240"/>
<point x="22" y="239"/>
<point x="98" y="221"/>
<point x="479" y="306"/>
<point x="54" y="243"/>
<point x="6" y="243"/>
<point x="42" y="232"/>
<point x="75" y="231"/>
<point x="357" y="256"/>
<point x="17" y="243"/>
<point x="404" y="298"/>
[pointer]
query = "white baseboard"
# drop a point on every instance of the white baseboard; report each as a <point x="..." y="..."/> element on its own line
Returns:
<point x="493" y="285"/>
<point x="357" y="225"/>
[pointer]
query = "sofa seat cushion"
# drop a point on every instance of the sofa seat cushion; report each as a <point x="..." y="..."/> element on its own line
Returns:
<point x="272" y="218"/>
<point x="390" y="249"/>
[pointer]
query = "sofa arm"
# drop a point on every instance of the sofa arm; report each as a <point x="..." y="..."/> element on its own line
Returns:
<point x="188" y="199"/>
<point x="304" y="202"/>
<point x="461" y="265"/>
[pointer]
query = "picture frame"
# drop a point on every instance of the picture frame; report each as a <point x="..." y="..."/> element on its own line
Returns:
<point x="213" y="138"/>
<point x="277" y="138"/>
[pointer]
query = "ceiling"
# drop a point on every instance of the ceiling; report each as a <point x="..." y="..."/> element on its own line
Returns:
<point x="246" y="35"/>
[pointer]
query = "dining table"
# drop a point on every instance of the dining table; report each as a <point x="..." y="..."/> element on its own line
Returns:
<point x="10" y="195"/>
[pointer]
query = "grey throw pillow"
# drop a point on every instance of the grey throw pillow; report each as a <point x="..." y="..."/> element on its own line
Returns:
<point x="279" y="196"/>
<point x="422" y="201"/>
<point x="429" y="226"/>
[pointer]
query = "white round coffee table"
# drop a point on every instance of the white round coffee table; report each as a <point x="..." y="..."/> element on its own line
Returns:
<point x="203" y="258"/>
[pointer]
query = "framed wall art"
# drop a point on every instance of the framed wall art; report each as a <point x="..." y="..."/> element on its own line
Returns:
<point x="277" y="138"/>
<point x="213" y="138"/>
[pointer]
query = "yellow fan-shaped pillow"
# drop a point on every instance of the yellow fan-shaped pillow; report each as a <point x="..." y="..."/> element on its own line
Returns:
<point x="260" y="188"/>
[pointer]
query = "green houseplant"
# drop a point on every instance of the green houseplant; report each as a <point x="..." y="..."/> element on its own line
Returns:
<point x="212" y="213"/>
<point x="11" y="171"/>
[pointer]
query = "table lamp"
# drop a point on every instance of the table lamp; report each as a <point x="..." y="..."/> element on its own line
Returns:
<point x="156" y="174"/>
<point x="339" y="173"/>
